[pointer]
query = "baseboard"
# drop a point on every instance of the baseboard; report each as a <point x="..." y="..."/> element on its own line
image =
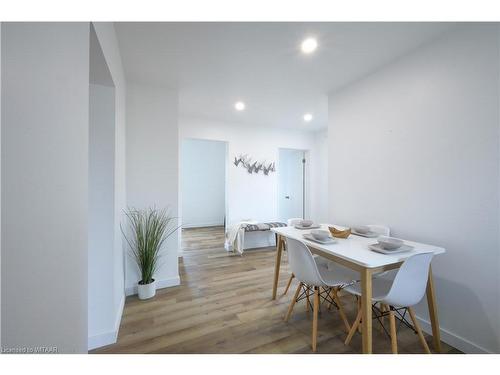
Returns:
<point x="118" y="319"/>
<point x="454" y="340"/>
<point x="203" y="225"/>
<point x="110" y="337"/>
<point x="160" y="284"/>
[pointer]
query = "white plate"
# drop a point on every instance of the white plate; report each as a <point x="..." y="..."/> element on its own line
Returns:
<point x="367" y="235"/>
<point x="329" y="240"/>
<point x="311" y="227"/>
<point x="377" y="248"/>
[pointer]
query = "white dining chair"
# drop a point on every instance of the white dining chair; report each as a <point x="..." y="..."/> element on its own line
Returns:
<point x="381" y="230"/>
<point x="400" y="294"/>
<point x="294" y="221"/>
<point x="319" y="260"/>
<point x="315" y="278"/>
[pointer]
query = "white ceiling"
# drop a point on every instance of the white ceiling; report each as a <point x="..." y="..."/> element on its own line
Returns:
<point x="215" y="64"/>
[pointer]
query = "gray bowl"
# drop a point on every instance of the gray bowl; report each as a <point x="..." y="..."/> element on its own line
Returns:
<point x="363" y="229"/>
<point x="389" y="243"/>
<point x="306" y="223"/>
<point x="320" y="235"/>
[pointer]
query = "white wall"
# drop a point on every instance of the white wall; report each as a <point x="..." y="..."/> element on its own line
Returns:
<point x="101" y="211"/>
<point x="319" y="176"/>
<point x="254" y="196"/>
<point x="0" y="184"/>
<point x="203" y="180"/>
<point x="153" y="167"/>
<point x="45" y="94"/>
<point x="108" y="42"/>
<point x="415" y="146"/>
<point x="498" y="288"/>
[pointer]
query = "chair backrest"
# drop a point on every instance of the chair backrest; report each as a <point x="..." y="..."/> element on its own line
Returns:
<point x="408" y="287"/>
<point x="294" y="221"/>
<point x="380" y="229"/>
<point x="302" y="263"/>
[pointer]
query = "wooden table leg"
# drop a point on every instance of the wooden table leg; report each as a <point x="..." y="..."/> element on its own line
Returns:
<point x="394" y="337"/>
<point x="366" y="310"/>
<point x="433" y="315"/>
<point x="279" y="250"/>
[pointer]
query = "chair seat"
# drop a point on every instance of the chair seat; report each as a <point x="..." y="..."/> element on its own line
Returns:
<point x="380" y="289"/>
<point x="336" y="277"/>
<point x="336" y="267"/>
<point x="334" y="273"/>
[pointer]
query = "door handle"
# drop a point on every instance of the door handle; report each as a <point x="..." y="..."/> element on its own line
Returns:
<point x="287" y="197"/>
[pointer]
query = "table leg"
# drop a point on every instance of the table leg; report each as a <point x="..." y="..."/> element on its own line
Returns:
<point x="366" y="310"/>
<point x="433" y="315"/>
<point x="279" y="250"/>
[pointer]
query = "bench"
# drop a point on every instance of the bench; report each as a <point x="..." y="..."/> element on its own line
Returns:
<point x="260" y="235"/>
<point x="263" y="226"/>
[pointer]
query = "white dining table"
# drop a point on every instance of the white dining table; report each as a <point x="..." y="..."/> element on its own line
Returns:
<point x="354" y="253"/>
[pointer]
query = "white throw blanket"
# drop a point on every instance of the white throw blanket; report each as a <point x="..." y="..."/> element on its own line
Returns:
<point x="235" y="236"/>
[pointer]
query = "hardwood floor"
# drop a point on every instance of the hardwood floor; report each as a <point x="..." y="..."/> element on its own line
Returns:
<point x="224" y="305"/>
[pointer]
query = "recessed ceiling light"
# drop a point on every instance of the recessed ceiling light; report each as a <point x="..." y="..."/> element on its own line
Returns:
<point x="239" y="106"/>
<point x="308" y="117"/>
<point x="309" y="45"/>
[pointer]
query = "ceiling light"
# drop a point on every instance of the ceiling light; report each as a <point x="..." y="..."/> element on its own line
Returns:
<point x="309" y="45"/>
<point x="239" y="106"/>
<point x="308" y="117"/>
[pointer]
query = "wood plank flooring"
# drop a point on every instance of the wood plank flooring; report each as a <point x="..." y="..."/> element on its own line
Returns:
<point x="224" y="305"/>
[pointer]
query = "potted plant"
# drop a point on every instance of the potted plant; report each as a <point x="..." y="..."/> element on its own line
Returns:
<point x="149" y="228"/>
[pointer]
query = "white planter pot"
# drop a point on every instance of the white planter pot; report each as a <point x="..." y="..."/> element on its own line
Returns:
<point x="147" y="291"/>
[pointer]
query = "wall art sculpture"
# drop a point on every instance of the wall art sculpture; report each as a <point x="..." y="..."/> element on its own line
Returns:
<point x="254" y="166"/>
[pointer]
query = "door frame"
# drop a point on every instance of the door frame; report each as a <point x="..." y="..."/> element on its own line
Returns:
<point x="179" y="195"/>
<point x="306" y="198"/>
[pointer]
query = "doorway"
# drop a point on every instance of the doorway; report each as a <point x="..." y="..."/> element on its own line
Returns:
<point x="203" y="186"/>
<point x="291" y="184"/>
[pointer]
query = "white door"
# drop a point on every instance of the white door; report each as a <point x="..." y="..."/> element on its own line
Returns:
<point x="291" y="174"/>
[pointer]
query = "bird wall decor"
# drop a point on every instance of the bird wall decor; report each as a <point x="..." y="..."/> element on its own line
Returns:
<point x="254" y="166"/>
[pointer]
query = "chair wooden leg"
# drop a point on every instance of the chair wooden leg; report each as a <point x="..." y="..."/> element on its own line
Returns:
<point x="290" y="308"/>
<point x="419" y="331"/>
<point x="315" y="318"/>
<point x="359" y="309"/>
<point x="308" y="301"/>
<point x="288" y="284"/>
<point x="354" y="327"/>
<point x="341" y="310"/>
<point x="394" y="339"/>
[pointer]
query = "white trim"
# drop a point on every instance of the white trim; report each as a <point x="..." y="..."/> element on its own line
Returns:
<point x="454" y="340"/>
<point x="102" y="339"/>
<point x="110" y="337"/>
<point x="160" y="284"/>
<point x="203" y="225"/>
<point x="118" y="319"/>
